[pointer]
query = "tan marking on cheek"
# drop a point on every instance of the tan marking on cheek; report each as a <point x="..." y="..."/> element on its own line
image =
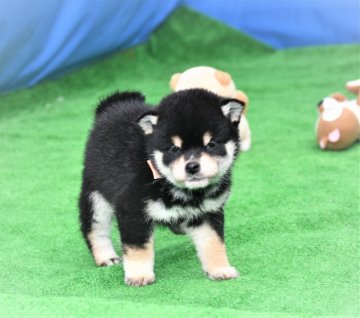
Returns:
<point x="177" y="141"/>
<point x="209" y="165"/>
<point x="206" y="138"/>
<point x="178" y="169"/>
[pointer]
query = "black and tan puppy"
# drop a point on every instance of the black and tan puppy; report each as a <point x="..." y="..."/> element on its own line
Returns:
<point x="191" y="141"/>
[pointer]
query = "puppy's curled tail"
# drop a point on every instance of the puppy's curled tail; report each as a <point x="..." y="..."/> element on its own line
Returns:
<point x="117" y="98"/>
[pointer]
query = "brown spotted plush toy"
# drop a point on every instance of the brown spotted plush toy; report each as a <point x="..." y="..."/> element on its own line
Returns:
<point x="338" y="125"/>
<point x="220" y="83"/>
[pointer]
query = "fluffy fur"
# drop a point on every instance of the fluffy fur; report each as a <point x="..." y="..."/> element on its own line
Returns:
<point x="191" y="139"/>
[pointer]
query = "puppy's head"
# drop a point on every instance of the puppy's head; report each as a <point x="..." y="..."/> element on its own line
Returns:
<point x="192" y="137"/>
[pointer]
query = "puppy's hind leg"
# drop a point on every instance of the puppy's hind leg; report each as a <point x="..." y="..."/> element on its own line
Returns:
<point x="95" y="216"/>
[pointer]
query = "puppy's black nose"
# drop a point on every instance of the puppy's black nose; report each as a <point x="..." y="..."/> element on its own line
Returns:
<point x="192" y="167"/>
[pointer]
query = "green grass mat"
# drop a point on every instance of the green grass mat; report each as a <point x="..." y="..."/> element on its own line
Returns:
<point x="292" y="223"/>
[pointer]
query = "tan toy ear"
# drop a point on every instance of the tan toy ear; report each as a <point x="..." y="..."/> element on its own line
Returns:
<point x="241" y="96"/>
<point x="223" y="77"/>
<point x="354" y="87"/>
<point x="339" y="97"/>
<point x="173" y="81"/>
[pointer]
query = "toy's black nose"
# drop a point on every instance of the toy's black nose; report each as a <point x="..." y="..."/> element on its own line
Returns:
<point x="192" y="167"/>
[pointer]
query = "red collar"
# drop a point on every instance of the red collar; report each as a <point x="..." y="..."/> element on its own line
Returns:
<point x="155" y="173"/>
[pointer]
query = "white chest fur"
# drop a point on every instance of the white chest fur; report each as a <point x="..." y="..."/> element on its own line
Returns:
<point x="157" y="211"/>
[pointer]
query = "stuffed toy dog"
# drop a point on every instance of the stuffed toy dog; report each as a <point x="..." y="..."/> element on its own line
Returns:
<point x="338" y="126"/>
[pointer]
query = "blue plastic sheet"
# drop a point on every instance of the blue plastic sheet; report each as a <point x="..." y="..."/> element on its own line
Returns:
<point x="39" y="38"/>
<point x="43" y="37"/>
<point x="288" y="23"/>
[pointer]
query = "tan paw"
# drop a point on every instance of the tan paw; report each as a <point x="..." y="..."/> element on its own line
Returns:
<point x="114" y="259"/>
<point x="222" y="273"/>
<point x="140" y="280"/>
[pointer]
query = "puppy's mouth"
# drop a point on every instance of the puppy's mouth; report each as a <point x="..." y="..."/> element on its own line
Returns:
<point x="194" y="182"/>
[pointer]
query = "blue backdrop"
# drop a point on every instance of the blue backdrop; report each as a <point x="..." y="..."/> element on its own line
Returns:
<point x="288" y="23"/>
<point x="39" y="38"/>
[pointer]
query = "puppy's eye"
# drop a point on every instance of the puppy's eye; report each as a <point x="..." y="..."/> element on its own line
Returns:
<point x="211" y="145"/>
<point x="174" y="150"/>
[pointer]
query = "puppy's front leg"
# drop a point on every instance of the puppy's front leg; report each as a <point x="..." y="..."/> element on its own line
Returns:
<point x="211" y="250"/>
<point x="138" y="262"/>
<point x="138" y="249"/>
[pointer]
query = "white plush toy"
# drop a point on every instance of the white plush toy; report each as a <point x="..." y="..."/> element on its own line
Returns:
<point x="220" y="83"/>
<point x="338" y="125"/>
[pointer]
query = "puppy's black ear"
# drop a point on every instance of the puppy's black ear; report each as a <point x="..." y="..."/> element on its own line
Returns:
<point x="147" y="122"/>
<point x="232" y="109"/>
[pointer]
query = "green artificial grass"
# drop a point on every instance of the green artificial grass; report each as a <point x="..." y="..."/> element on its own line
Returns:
<point x="292" y="223"/>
